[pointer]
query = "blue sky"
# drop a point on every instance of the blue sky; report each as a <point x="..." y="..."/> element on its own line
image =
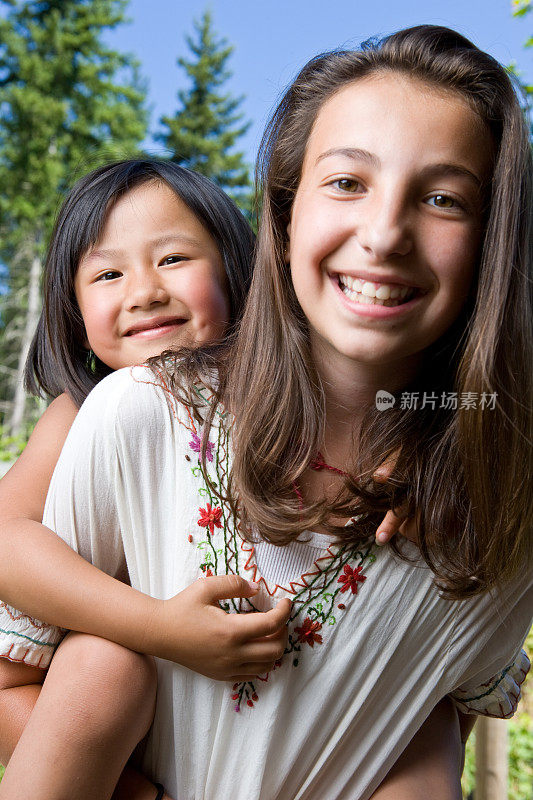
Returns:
<point x="274" y="38"/>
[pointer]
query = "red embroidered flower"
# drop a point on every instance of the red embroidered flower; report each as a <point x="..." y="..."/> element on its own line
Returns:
<point x="309" y="632"/>
<point x="351" y="578"/>
<point x="210" y="517"/>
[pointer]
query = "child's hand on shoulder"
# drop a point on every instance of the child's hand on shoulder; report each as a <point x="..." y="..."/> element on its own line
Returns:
<point x="396" y="520"/>
<point x="198" y="634"/>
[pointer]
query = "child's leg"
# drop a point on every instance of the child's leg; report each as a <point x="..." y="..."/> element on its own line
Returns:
<point x="96" y="704"/>
<point x="431" y="764"/>
<point x="20" y="686"/>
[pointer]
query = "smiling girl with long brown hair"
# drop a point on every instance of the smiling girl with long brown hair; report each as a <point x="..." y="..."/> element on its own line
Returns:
<point x="394" y="256"/>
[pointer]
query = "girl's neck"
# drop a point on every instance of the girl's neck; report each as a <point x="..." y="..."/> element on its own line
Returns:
<point x="350" y="387"/>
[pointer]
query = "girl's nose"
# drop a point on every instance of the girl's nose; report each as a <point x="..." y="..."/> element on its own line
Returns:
<point x="145" y="289"/>
<point x="384" y="232"/>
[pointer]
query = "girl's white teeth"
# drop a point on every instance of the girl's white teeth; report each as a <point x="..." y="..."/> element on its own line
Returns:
<point x="367" y="292"/>
<point x="383" y="292"/>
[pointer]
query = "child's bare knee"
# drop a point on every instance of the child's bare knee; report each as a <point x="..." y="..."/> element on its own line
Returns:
<point x="92" y="654"/>
<point x="110" y="685"/>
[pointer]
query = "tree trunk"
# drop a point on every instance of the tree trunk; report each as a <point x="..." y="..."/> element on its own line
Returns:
<point x="32" y="317"/>
<point x="491" y="759"/>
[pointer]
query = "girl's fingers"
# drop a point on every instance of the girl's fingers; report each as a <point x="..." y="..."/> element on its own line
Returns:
<point x="222" y="587"/>
<point x="267" y="652"/>
<point x="255" y="669"/>
<point x="393" y="520"/>
<point x="383" y="473"/>
<point x="264" y="623"/>
<point x="391" y="524"/>
<point x="396" y="523"/>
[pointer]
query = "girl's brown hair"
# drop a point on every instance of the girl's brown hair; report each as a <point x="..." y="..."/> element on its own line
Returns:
<point x="467" y="472"/>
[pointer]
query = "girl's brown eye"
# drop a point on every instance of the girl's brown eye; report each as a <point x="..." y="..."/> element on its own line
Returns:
<point x="348" y="185"/>
<point x="444" y="201"/>
<point x="109" y="275"/>
<point x="174" y="259"/>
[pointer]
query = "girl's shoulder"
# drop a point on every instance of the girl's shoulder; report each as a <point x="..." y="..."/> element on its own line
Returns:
<point x="140" y="398"/>
<point x="122" y="390"/>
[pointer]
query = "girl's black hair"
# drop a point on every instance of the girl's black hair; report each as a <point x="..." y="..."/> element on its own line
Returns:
<point x="58" y="359"/>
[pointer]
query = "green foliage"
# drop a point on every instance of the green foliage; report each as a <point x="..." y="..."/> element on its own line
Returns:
<point x="62" y="102"/>
<point x="520" y="786"/>
<point x="521" y="757"/>
<point x="68" y="101"/>
<point x="520" y="729"/>
<point x="521" y="7"/>
<point x="10" y="446"/>
<point x="207" y="125"/>
<point x="468" y="781"/>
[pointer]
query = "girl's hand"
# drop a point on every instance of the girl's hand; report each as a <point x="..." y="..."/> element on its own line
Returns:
<point x="194" y="631"/>
<point x="395" y="520"/>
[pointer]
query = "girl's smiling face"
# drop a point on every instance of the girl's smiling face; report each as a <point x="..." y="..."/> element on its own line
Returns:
<point x="390" y="201"/>
<point x="154" y="280"/>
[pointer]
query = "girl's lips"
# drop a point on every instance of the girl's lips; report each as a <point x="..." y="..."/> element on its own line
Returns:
<point x="375" y="311"/>
<point x="156" y="330"/>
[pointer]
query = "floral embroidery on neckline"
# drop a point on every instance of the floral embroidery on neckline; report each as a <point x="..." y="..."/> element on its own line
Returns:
<point x="317" y="596"/>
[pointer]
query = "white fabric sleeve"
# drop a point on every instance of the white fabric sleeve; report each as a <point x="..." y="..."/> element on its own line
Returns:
<point x="494" y="627"/>
<point x="25" y="639"/>
<point x="81" y="507"/>
<point x="499" y="695"/>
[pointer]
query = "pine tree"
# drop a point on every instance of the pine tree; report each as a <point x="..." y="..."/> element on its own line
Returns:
<point x="207" y="125"/>
<point x="68" y="102"/>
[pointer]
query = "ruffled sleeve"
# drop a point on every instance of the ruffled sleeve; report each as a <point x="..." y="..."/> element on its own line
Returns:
<point x="497" y="697"/>
<point x="25" y="639"/>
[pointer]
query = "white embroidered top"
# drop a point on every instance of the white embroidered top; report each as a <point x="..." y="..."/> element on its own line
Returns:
<point x="372" y="646"/>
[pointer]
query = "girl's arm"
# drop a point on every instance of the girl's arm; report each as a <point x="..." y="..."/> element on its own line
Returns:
<point x="40" y="573"/>
<point x="25" y="487"/>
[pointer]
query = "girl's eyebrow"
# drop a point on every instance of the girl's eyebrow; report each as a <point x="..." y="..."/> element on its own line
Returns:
<point x="96" y="254"/>
<point x="455" y="170"/>
<point x="161" y="241"/>
<point x="173" y="238"/>
<point x="355" y="153"/>
<point x="432" y="170"/>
